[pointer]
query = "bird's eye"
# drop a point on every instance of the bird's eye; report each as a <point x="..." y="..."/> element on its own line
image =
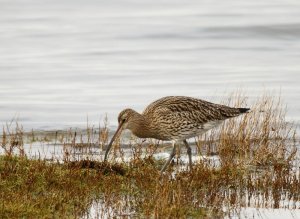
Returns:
<point x="124" y="120"/>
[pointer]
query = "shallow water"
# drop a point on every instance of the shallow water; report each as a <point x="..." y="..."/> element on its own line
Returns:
<point x="64" y="61"/>
<point x="99" y="210"/>
<point x="266" y="213"/>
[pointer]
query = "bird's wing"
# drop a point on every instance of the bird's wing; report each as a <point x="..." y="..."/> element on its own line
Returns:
<point x="187" y="108"/>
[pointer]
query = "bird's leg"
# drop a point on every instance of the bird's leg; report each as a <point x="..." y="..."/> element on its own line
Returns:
<point x="189" y="152"/>
<point x="170" y="158"/>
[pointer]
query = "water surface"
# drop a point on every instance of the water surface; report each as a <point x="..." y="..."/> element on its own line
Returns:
<point x="64" y="61"/>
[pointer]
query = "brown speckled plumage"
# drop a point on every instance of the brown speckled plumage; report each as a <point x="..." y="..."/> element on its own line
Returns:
<point x="175" y="118"/>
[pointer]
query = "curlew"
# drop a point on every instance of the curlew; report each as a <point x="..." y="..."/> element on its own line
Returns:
<point x="176" y="119"/>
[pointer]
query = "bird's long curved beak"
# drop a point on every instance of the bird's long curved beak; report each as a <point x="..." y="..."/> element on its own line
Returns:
<point x="119" y="129"/>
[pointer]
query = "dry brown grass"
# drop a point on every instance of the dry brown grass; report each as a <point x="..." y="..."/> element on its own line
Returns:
<point x="258" y="167"/>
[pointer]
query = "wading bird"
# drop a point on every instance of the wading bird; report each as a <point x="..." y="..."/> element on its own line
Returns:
<point x="174" y="118"/>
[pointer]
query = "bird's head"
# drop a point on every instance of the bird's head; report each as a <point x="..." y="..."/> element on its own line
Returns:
<point x="126" y="120"/>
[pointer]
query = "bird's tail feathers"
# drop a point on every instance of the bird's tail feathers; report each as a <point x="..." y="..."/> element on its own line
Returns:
<point x="244" y="110"/>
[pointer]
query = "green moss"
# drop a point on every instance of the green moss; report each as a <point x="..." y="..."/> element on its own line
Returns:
<point x="33" y="187"/>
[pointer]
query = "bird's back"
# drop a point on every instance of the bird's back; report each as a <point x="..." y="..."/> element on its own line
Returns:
<point x="180" y="117"/>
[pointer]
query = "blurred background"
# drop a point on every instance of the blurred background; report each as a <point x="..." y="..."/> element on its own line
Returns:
<point x="64" y="61"/>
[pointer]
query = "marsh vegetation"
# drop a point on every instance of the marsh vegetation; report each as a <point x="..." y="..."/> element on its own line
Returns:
<point x="255" y="164"/>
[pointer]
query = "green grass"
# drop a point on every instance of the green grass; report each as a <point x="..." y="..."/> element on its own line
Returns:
<point x="51" y="190"/>
<point x="33" y="187"/>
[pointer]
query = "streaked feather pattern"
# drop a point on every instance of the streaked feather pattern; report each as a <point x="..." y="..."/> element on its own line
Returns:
<point x="174" y="118"/>
<point x="178" y="118"/>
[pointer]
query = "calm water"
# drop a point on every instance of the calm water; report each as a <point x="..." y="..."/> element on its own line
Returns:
<point x="63" y="60"/>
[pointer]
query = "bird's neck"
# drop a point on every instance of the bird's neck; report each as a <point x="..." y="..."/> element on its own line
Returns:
<point x="141" y="127"/>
